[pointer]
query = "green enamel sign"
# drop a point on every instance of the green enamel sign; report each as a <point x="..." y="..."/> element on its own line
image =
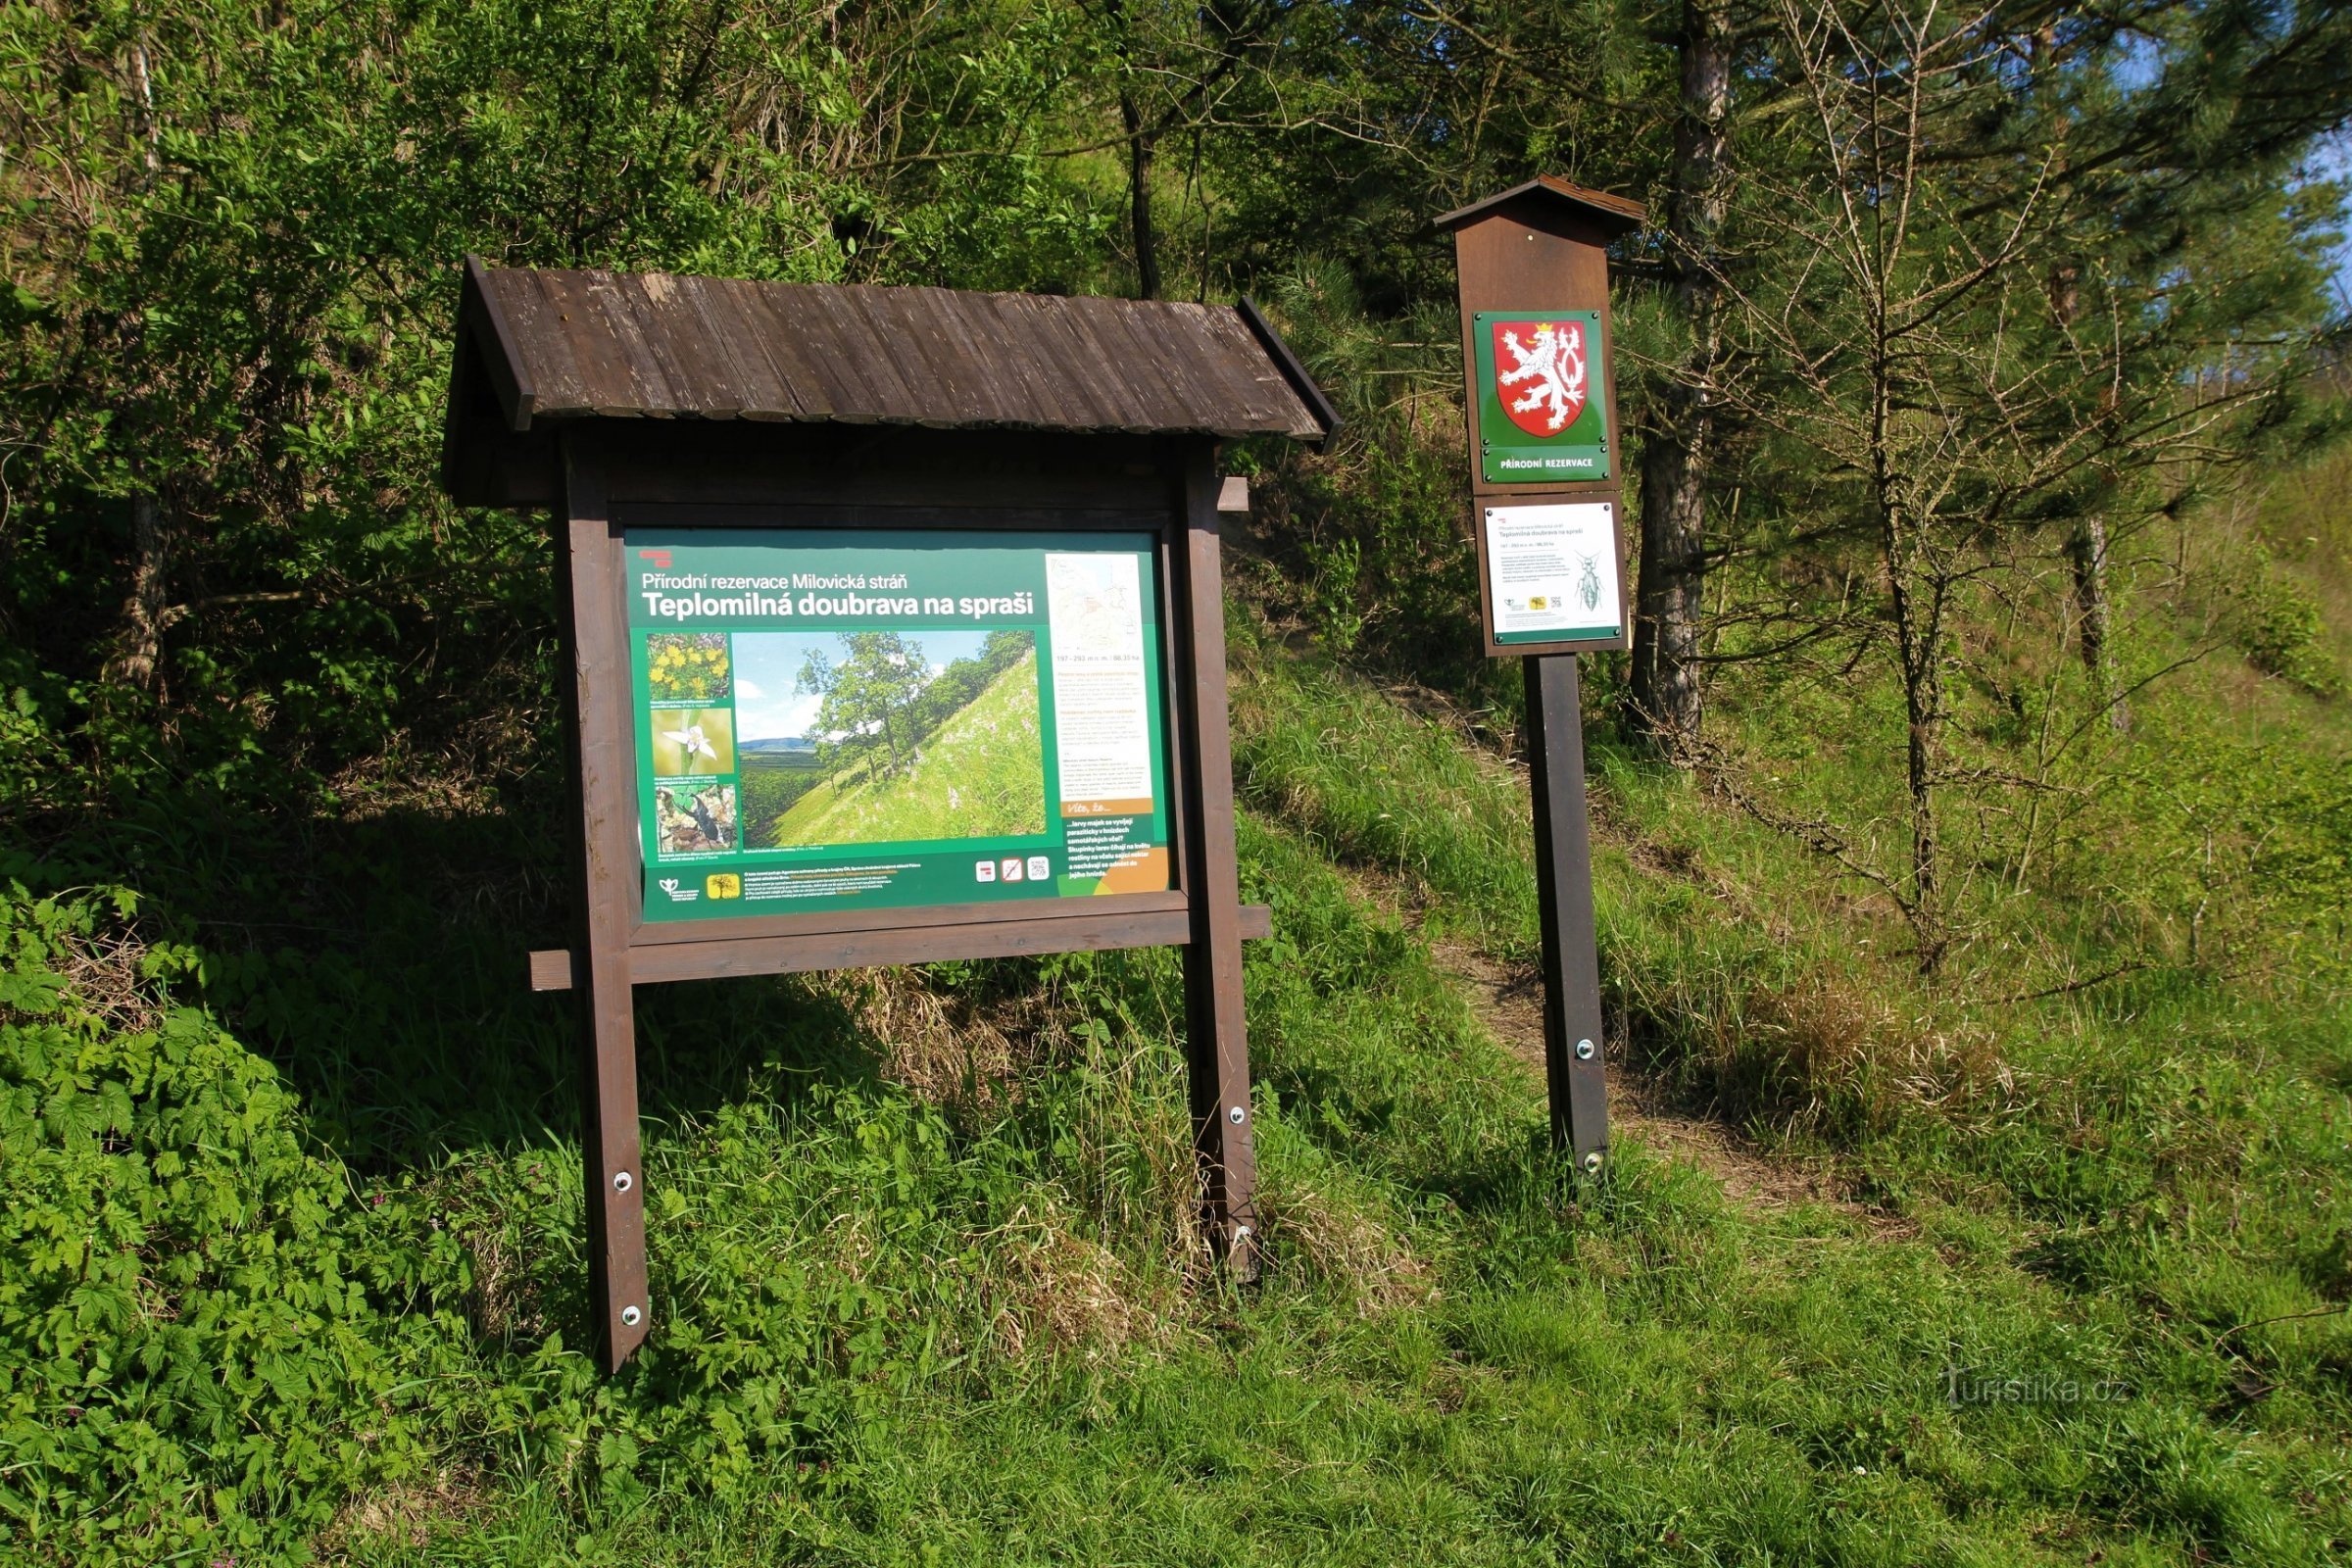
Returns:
<point x="830" y="720"/>
<point x="1542" y="396"/>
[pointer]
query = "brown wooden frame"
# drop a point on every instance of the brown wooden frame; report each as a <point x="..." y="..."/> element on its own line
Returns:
<point x="650" y="475"/>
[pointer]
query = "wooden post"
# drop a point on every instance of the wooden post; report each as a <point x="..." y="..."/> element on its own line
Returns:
<point x="597" y="710"/>
<point x="1521" y="255"/>
<point x="1216" y="1047"/>
<point x="1571" y="1040"/>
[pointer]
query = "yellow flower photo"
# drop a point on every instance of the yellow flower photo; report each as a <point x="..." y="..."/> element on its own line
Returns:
<point x="688" y="666"/>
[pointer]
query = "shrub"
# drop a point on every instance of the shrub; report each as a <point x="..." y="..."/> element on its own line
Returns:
<point x="195" y="1308"/>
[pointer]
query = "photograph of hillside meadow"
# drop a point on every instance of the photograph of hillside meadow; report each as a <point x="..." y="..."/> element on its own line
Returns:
<point x="878" y="737"/>
<point x="1972" y="845"/>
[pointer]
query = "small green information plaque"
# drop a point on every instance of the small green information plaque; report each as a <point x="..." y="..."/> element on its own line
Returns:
<point x="834" y="720"/>
<point x="1543" y="399"/>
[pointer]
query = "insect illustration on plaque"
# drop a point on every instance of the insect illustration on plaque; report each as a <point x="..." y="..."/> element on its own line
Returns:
<point x="1588" y="586"/>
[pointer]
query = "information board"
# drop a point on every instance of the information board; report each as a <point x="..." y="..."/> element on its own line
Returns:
<point x="1541" y="396"/>
<point x="1551" y="573"/>
<point x="830" y="720"/>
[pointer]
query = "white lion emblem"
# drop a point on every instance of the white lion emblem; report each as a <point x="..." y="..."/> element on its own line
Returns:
<point x="1555" y="365"/>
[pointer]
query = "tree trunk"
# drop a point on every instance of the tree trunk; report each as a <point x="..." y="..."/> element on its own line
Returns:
<point x="2086" y="551"/>
<point x="139" y="645"/>
<point x="1916" y="601"/>
<point x="1665" y="697"/>
<point x="1139" y="198"/>
<point x="1923" y="708"/>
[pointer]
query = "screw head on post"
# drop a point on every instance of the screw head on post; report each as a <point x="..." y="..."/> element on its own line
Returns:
<point x="1237" y="1115"/>
<point x="1592" y="1164"/>
<point x="1584" y="1050"/>
<point x="622" y="1181"/>
<point x="631" y="1316"/>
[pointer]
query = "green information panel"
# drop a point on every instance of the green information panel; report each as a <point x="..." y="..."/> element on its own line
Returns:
<point x="1542" y="396"/>
<point x="830" y="720"/>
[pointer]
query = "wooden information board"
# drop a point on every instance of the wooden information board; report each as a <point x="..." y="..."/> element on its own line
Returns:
<point x="893" y="631"/>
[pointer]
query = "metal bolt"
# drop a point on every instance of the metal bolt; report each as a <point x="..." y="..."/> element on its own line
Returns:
<point x="1592" y="1164"/>
<point x="1584" y="1050"/>
<point x="622" y="1181"/>
<point x="1237" y="1115"/>
<point x="630" y="1317"/>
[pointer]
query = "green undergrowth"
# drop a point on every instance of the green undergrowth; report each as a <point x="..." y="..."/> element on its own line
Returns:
<point x="291" y="1268"/>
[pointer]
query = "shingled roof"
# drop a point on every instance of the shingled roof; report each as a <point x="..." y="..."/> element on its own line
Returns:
<point x="578" y="345"/>
<point x="1615" y="215"/>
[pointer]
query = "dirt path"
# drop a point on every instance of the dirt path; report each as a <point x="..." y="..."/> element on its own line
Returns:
<point x="1510" y="1001"/>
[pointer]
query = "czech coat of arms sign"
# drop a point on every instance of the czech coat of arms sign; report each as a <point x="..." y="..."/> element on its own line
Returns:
<point x="1539" y="419"/>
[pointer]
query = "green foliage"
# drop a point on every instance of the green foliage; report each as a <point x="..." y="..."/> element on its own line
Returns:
<point x="2279" y="628"/>
<point x="201" y="1322"/>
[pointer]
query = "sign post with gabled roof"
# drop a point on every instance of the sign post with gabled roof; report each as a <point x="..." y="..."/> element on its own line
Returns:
<point x="892" y="631"/>
<point x="1547" y="460"/>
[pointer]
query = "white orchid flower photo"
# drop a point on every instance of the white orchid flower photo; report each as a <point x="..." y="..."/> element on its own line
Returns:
<point x="692" y="740"/>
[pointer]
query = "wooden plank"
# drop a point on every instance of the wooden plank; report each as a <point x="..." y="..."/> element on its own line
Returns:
<point x="874" y="393"/>
<point x="1219" y="390"/>
<point x="820" y="923"/>
<point x="606" y="383"/>
<point x="1310" y="414"/>
<point x="703" y="373"/>
<point x="554" y="969"/>
<point x="560" y="388"/>
<point x="1086" y="391"/>
<point x="1232" y="496"/>
<point x="597" y="708"/>
<point x="654" y="392"/>
<point x="558" y="968"/>
<point x="1028" y="381"/>
<point x="851" y="950"/>
<point x="502" y="353"/>
<point x="1573" y="1057"/>
<point x="1145" y="396"/>
<point x="943" y="390"/>
<point x="974" y="376"/>
<point x="650" y="345"/>
<point x="1216" y="1045"/>
<point x="646" y="304"/>
<point x="1094" y="364"/>
<point x="1613" y="213"/>
<point x="799" y="392"/>
<point x="767" y="392"/>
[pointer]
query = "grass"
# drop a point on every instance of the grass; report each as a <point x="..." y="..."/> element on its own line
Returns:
<point x="979" y="775"/>
<point x="925" y="1288"/>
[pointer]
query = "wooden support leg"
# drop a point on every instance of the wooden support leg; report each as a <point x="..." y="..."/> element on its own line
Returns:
<point x="1217" y="1047"/>
<point x="597" y="706"/>
<point x="1572" y="1044"/>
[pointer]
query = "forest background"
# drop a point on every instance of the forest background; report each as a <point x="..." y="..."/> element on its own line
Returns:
<point x="1984" y="369"/>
